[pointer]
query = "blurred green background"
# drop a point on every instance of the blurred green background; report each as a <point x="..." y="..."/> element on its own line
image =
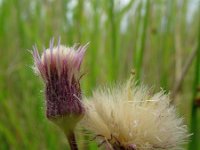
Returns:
<point x="159" y="39"/>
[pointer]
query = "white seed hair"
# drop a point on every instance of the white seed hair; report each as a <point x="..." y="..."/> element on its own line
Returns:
<point x="132" y="115"/>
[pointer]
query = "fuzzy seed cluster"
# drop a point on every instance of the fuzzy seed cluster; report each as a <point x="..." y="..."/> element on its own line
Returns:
<point x="131" y="117"/>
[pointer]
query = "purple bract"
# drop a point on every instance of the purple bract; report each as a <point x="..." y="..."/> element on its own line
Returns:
<point x="59" y="67"/>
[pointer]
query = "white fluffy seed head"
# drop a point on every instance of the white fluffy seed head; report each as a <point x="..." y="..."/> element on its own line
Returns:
<point x="130" y="117"/>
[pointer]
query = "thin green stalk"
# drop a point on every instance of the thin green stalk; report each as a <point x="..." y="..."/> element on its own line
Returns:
<point x="95" y="42"/>
<point x="167" y="42"/>
<point x="125" y="9"/>
<point x="194" y="144"/>
<point x="142" y="42"/>
<point x="72" y="141"/>
<point x="78" y="20"/>
<point x="136" y="30"/>
<point x="113" y="40"/>
<point x="21" y="24"/>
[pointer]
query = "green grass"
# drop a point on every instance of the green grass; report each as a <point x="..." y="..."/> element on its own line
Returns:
<point x="194" y="114"/>
<point x="153" y="37"/>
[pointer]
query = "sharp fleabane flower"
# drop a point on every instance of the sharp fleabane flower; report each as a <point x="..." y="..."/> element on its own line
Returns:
<point x="59" y="67"/>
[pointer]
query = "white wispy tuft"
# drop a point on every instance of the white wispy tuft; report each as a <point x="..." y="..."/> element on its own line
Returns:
<point x="130" y="117"/>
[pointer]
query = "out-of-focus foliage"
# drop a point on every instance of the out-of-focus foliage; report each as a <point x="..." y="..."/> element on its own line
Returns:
<point x="154" y="37"/>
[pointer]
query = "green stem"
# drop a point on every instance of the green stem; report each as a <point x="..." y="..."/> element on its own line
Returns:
<point x="141" y="44"/>
<point x="194" y="144"/>
<point x="113" y="40"/>
<point x="72" y="140"/>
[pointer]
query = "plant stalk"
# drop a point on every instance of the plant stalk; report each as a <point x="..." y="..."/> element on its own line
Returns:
<point x="194" y="144"/>
<point x="72" y="140"/>
<point x="141" y="44"/>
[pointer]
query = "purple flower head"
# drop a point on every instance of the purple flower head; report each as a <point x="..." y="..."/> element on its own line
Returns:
<point x="59" y="67"/>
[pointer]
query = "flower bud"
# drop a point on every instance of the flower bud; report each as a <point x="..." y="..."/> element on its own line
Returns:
<point x="59" y="68"/>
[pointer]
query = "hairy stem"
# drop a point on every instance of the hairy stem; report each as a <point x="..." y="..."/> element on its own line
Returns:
<point x="72" y="140"/>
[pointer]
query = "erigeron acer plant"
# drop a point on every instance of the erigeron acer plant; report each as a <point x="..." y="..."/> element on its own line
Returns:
<point x="59" y="67"/>
<point x="125" y="117"/>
